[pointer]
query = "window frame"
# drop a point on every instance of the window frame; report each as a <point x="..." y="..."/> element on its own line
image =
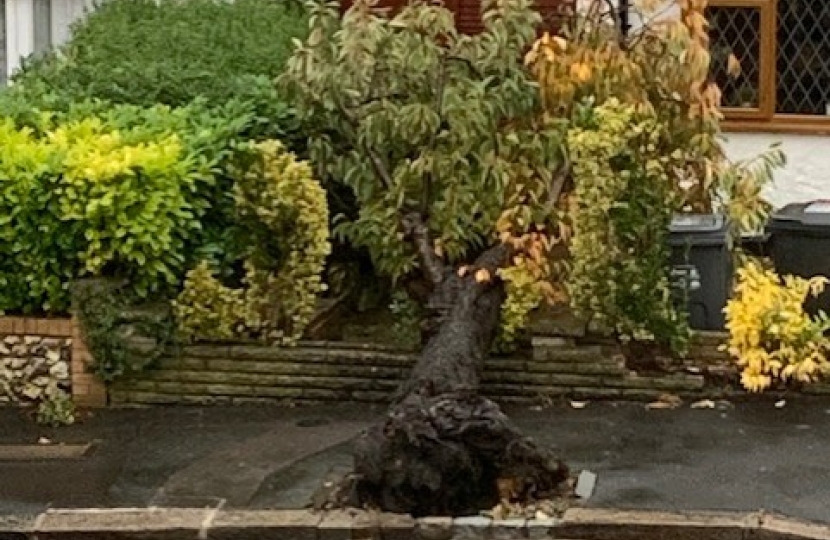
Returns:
<point x="764" y="118"/>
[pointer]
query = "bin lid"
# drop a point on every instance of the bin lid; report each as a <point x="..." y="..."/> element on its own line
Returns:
<point x="809" y="215"/>
<point x="697" y="223"/>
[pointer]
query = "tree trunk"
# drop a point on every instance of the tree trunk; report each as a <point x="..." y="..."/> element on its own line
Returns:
<point x="443" y="449"/>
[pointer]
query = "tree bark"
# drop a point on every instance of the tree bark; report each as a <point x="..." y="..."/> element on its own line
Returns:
<point x="443" y="449"/>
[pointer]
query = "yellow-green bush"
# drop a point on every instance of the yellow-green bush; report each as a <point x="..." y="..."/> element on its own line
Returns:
<point x="283" y="214"/>
<point x="209" y="310"/>
<point x="524" y="294"/>
<point x="771" y="336"/>
<point x="84" y="198"/>
<point x="623" y="202"/>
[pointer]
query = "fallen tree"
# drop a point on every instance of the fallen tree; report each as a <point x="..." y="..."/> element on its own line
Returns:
<point x="455" y="183"/>
<point x="443" y="448"/>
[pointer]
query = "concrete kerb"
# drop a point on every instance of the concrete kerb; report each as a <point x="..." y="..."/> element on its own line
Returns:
<point x="229" y="524"/>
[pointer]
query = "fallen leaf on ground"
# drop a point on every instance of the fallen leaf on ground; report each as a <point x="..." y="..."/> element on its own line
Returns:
<point x="703" y="404"/>
<point x="780" y="404"/>
<point x="44" y="440"/>
<point x="665" y="401"/>
<point x="578" y="404"/>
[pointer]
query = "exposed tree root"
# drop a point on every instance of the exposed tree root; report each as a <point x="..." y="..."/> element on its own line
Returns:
<point x="442" y="448"/>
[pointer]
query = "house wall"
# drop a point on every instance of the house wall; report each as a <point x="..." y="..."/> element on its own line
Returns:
<point x="807" y="173"/>
<point x="33" y="25"/>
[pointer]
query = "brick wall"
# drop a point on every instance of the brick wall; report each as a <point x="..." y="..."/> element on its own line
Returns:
<point x="87" y="391"/>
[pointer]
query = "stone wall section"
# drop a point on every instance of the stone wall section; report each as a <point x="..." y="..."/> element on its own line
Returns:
<point x="37" y="353"/>
<point x="336" y="371"/>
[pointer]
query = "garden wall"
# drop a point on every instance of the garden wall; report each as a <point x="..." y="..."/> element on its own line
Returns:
<point x="38" y="354"/>
<point x="337" y="371"/>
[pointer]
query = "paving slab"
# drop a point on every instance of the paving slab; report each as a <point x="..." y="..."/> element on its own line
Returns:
<point x="36" y="452"/>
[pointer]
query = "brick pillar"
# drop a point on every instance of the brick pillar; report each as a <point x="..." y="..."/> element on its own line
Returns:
<point x="87" y="389"/>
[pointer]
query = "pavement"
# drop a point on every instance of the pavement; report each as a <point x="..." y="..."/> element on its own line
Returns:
<point x="744" y="457"/>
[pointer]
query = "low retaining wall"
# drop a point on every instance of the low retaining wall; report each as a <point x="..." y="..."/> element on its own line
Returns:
<point x="336" y="371"/>
<point x="38" y="355"/>
<point x="228" y="524"/>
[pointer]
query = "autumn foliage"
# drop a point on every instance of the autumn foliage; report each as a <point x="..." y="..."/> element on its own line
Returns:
<point x="771" y="336"/>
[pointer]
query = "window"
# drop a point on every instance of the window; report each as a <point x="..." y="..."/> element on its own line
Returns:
<point x="783" y="47"/>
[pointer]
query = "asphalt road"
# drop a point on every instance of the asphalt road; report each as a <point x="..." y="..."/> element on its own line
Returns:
<point x="749" y="456"/>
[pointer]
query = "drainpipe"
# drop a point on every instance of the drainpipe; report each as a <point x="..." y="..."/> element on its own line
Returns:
<point x="625" y="24"/>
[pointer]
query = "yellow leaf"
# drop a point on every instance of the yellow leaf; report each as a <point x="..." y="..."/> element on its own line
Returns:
<point x="580" y="72"/>
<point x="482" y="276"/>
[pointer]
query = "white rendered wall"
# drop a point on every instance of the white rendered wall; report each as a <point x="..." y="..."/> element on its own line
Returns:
<point x="20" y="26"/>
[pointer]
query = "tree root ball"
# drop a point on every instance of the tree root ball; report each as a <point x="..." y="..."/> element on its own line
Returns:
<point x="450" y="454"/>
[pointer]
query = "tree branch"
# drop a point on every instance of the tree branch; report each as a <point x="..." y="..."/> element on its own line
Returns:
<point x="377" y="162"/>
<point x="558" y="185"/>
<point x="434" y="268"/>
<point x="439" y="106"/>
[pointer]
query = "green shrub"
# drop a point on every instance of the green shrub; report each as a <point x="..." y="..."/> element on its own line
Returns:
<point x="283" y="217"/>
<point x="145" y="52"/>
<point x="172" y="52"/>
<point x="622" y="208"/>
<point x="109" y="318"/>
<point x="123" y="192"/>
<point x="58" y="410"/>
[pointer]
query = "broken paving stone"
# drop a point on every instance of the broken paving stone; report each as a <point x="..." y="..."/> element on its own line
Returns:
<point x="472" y="522"/>
<point x="508" y="529"/>
<point x="540" y="528"/>
<point x="703" y="404"/>
<point x="585" y="484"/>
<point x="434" y="528"/>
